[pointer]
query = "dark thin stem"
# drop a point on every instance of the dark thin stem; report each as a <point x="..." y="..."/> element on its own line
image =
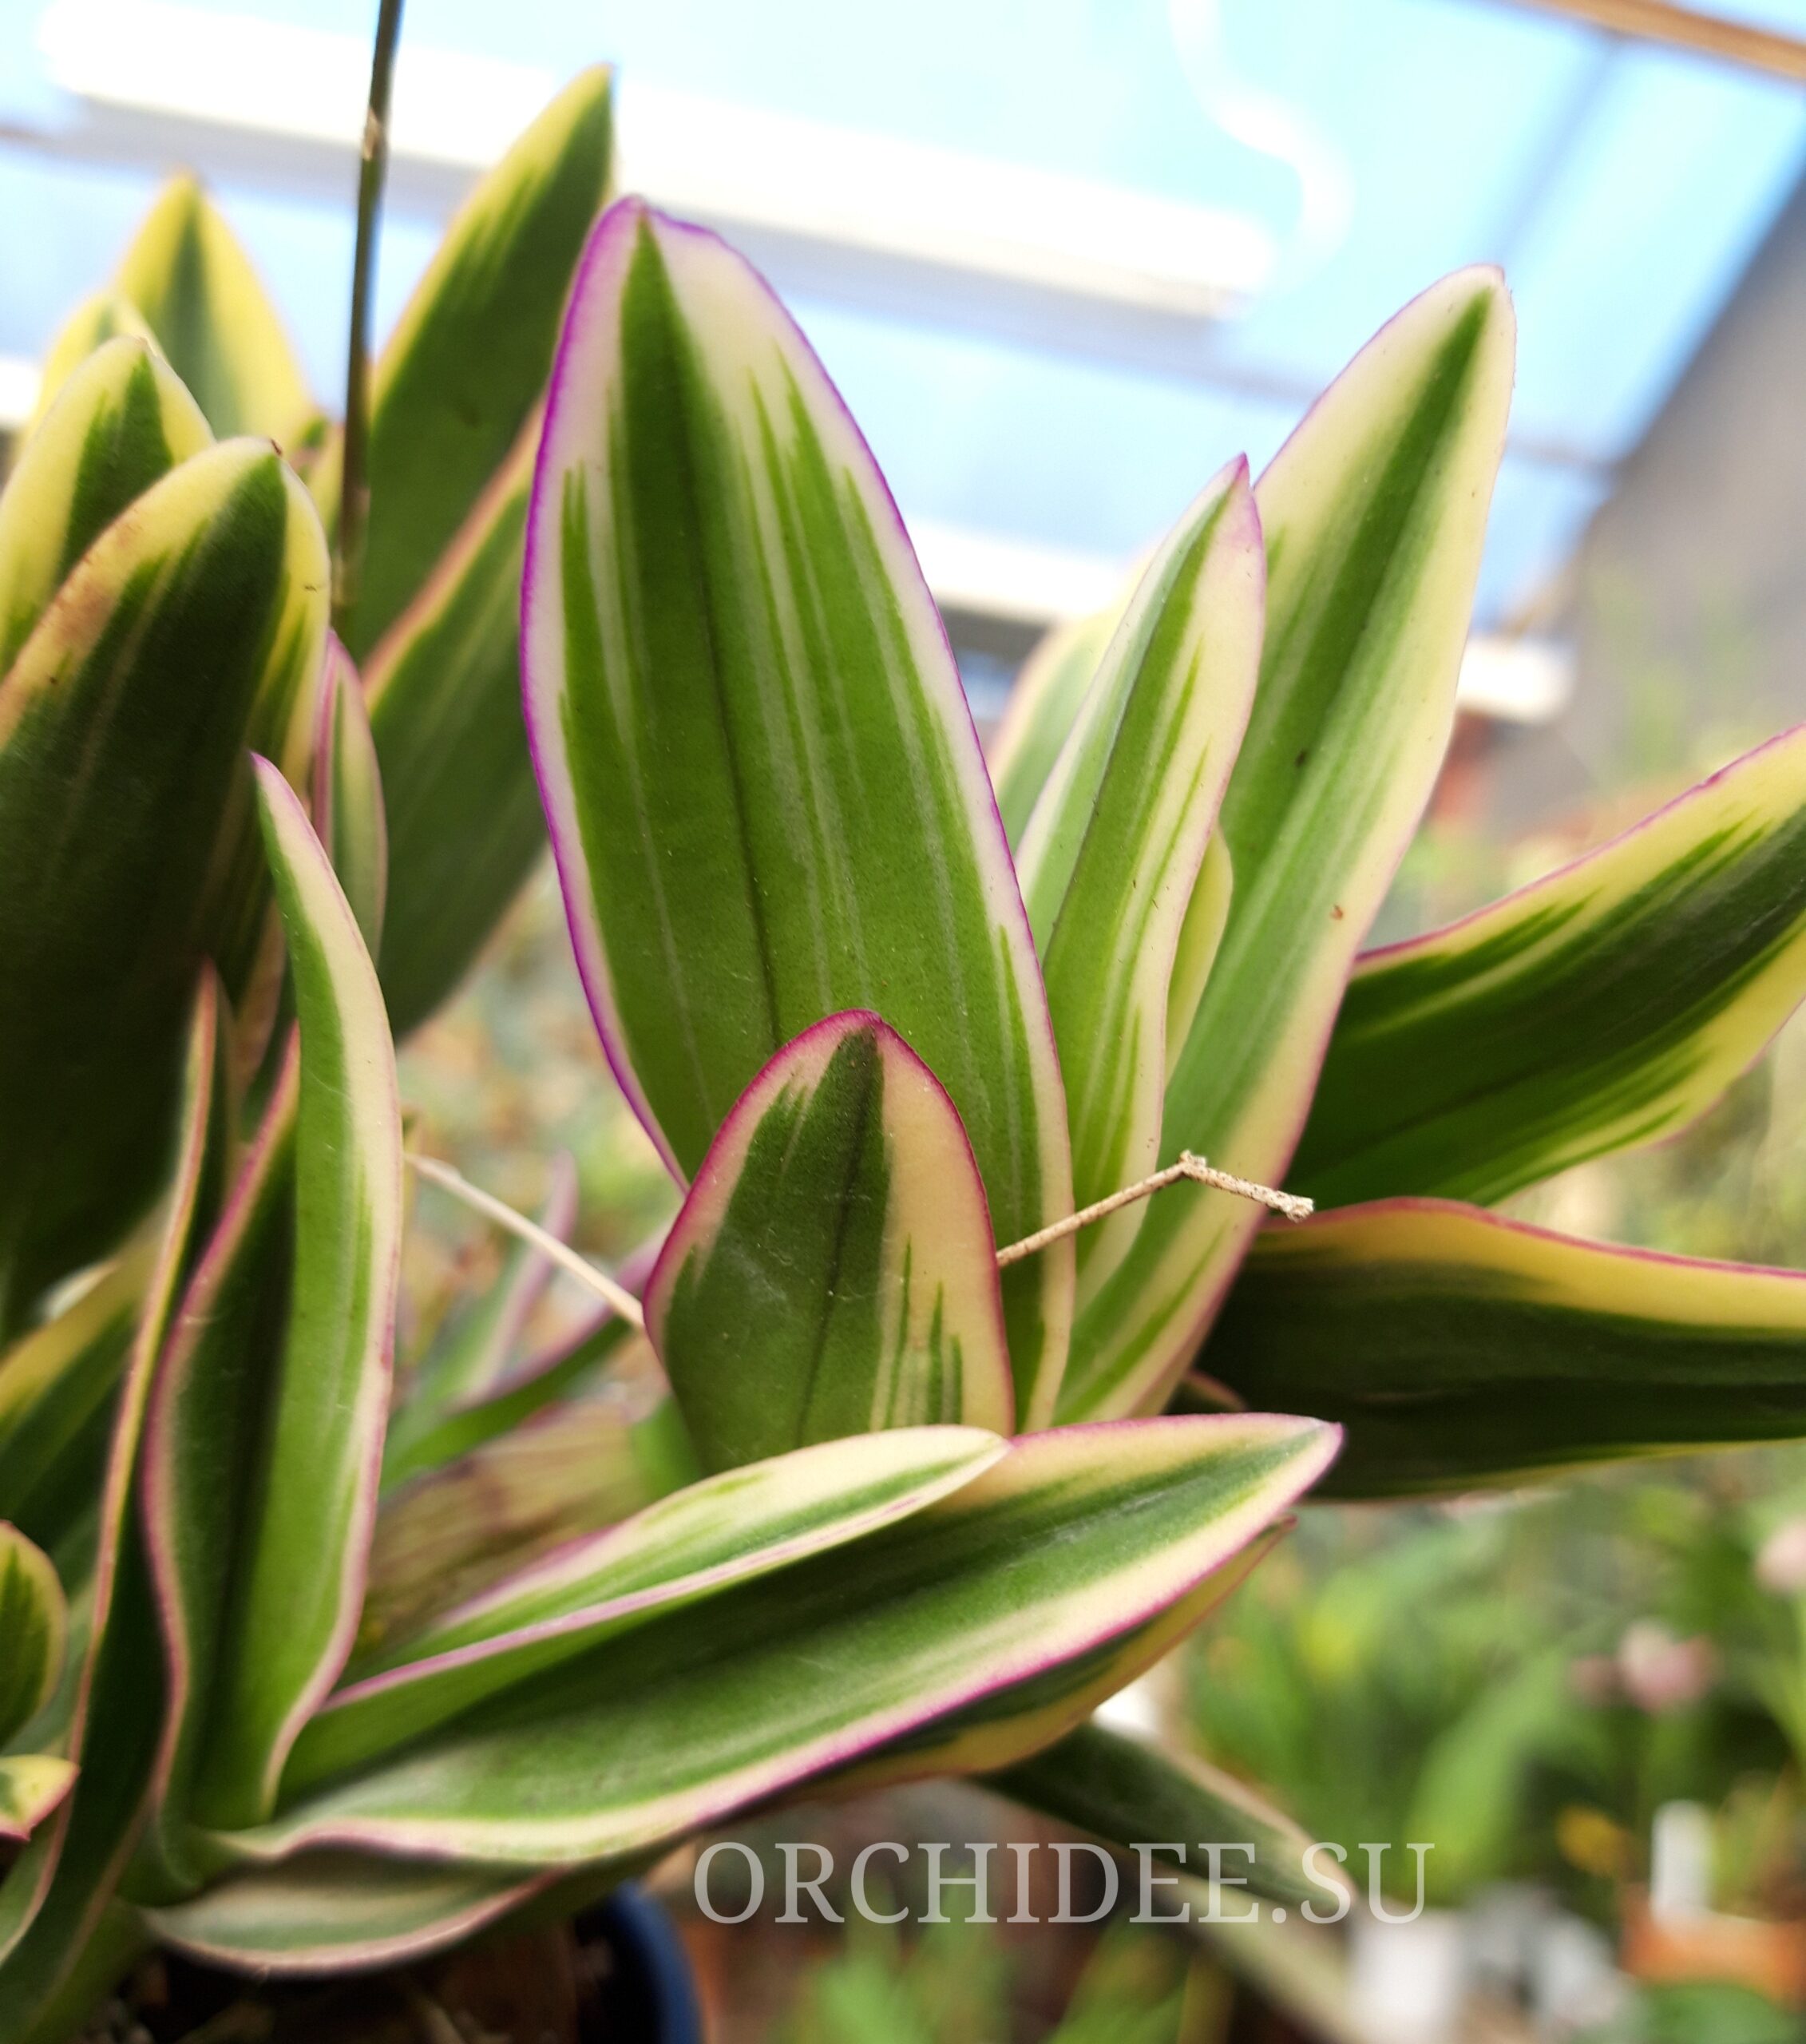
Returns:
<point x="353" y="486"/>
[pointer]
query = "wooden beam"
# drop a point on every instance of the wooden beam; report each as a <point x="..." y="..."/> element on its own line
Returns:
<point x="1684" y="28"/>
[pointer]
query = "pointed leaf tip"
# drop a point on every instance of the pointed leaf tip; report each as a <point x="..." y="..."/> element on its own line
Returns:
<point x="1375" y="512"/>
<point x="123" y="786"/>
<point x="461" y="372"/>
<point x="120" y="421"/>
<point x="1111" y="855"/>
<point x="188" y="275"/>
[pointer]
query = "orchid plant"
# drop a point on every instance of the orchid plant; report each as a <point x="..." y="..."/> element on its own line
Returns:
<point x="906" y="1030"/>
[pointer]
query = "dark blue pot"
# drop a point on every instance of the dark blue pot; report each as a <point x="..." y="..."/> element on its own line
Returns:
<point x="649" y="1995"/>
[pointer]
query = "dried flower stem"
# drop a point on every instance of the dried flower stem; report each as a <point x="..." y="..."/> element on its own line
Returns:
<point x="1188" y="1166"/>
<point x="448" y="1179"/>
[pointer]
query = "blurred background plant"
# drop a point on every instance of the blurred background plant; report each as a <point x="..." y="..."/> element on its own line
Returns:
<point x="510" y="1061"/>
<point x="950" y="1985"/>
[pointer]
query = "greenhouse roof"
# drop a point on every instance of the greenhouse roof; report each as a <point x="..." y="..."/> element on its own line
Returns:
<point x="1064" y="258"/>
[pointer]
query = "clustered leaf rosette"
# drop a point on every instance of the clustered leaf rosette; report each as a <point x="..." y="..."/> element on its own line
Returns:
<point x="312" y="1673"/>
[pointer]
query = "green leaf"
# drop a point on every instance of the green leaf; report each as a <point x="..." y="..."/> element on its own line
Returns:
<point x="1374" y="512"/>
<point x="1073" y="1538"/>
<point x="1130" y="1793"/>
<point x="305" y="1534"/>
<point x="832" y="1271"/>
<point x="184" y="630"/>
<point x="1478" y="1769"/>
<point x="34" y="1624"/>
<point x="709" y="1536"/>
<point x="1461" y="1348"/>
<point x="56" y="1896"/>
<point x="1043" y="707"/>
<point x="349" y="814"/>
<point x="32" y="1788"/>
<point x="1606" y="1005"/>
<point x="468" y="359"/>
<point x="208" y="1415"/>
<point x="121" y="421"/>
<point x="187" y="273"/>
<point x="56" y="1387"/>
<point x="1111" y="855"/>
<point x="565" y="1469"/>
<point x="1000" y="1730"/>
<point x="765" y="796"/>
<point x="336" y="1913"/>
<point x="94" y="322"/>
<point x="444" y="682"/>
<point x="1201" y="936"/>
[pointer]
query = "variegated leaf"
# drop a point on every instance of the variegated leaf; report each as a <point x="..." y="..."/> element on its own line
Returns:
<point x="125" y="795"/>
<point x="187" y="274"/>
<point x="305" y="1534"/>
<point x="94" y="322"/>
<point x="350" y="817"/>
<point x="34" y="1625"/>
<point x="56" y="1897"/>
<point x="56" y="1387"/>
<point x="695" y="1545"/>
<point x="465" y="824"/>
<point x="1000" y="1730"/>
<point x="1132" y="1794"/>
<point x="765" y="798"/>
<point x="121" y="421"/>
<point x="1460" y="1349"/>
<point x="1111" y="855"/>
<point x="338" y="1913"/>
<point x="32" y="1787"/>
<point x="203" y="1435"/>
<point x="1201" y="936"/>
<point x="832" y="1270"/>
<point x="468" y="358"/>
<point x="1043" y="707"/>
<point x="1072" y="1538"/>
<point x="1606" y="1005"/>
<point x="1374" y="511"/>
